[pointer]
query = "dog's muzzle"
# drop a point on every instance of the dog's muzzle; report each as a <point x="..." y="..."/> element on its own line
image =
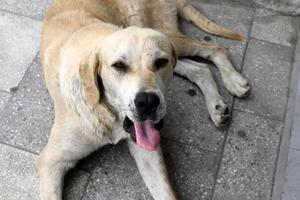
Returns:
<point x="143" y="129"/>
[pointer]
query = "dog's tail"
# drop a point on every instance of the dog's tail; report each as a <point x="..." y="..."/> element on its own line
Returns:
<point x="190" y="14"/>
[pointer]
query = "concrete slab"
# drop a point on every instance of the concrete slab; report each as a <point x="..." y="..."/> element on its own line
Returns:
<point x="236" y="2"/>
<point x="188" y="120"/>
<point x="20" y="41"/>
<point x="192" y="171"/>
<point x="116" y="175"/>
<point x="27" y="118"/>
<point x="4" y="97"/>
<point x="267" y="68"/>
<point x="287" y="7"/>
<point x="282" y="160"/>
<point x="75" y="184"/>
<point x="271" y="27"/>
<point x="19" y="179"/>
<point x="291" y="189"/>
<point x="18" y="175"/>
<point x="35" y="8"/>
<point x="248" y="160"/>
<point x="233" y="16"/>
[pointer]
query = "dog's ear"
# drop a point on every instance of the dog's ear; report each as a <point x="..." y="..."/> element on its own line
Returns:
<point x="89" y="70"/>
<point x="174" y="56"/>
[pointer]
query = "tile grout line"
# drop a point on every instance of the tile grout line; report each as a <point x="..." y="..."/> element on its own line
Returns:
<point x="249" y="36"/>
<point x="6" y="92"/>
<point x="294" y="148"/>
<point x="259" y="6"/>
<point x="18" y="148"/>
<point x="91" y="172"/>
<point x="20" y="15"/>
<point x="25" y="74"/>
<point x="232" y="110"/>
<point x="258" y="115"/>
<point x="221" y="154"/>
<point x="86" y="186"/>
<point x="272" y="43"/>
<point x="29" y="67"/>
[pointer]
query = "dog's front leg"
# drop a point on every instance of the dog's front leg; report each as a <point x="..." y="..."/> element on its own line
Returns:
<point x="66" y="145"/>
<point x="200" y="74"/>
<point x="153" y="171"/>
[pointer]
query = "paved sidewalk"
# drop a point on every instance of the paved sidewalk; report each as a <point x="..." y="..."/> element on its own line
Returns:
<point x="235" y="163"/>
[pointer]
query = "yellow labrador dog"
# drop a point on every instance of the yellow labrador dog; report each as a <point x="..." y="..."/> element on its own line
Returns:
<point x="107" y="65"/>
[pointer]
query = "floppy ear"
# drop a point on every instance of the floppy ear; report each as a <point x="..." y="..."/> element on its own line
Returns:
<point x="174" y="55"/>
<point x="88" y="73"/>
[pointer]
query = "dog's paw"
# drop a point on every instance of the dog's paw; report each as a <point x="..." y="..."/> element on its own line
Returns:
<point x="219" y="112"/>
<point x="236" y="84"/>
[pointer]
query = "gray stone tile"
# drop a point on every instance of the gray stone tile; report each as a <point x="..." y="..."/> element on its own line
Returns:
<point x="295" y="138"/>
<point x="249" y="159"/>
<point x="232" y="2"/>
<point x="35" y="8"/>
<point x="287" y="7"/>
<point x="267" y="68"/>
<point x="187" y="120"/>
<point x="27" y="118"/>
<point x="192" y="171"/>
<point x="19" y="179"/>
<point x="4" y="97"/>
<point x="116" y="175"/>
<point x="292" y="185"/>
<point x="18" y="175"/>
<point x="232" y="16"/>
<point x="271" y="27"/>
<point x="75" y="184"/>
<point x="19" y="43"/>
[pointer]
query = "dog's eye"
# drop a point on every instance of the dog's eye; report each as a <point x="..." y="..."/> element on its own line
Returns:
<point x="120" y="66"/>
<point x="161" y="62"/>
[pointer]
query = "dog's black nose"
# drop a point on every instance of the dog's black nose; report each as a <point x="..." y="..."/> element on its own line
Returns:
<point x="146" y="104"/>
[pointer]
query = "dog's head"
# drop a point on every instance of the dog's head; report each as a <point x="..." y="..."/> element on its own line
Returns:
<point x="133" y="66"/>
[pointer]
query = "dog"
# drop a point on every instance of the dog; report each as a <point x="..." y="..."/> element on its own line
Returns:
<point x="107" y="65"/>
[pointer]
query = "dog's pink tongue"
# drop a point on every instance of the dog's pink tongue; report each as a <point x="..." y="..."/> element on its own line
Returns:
<point x="147" y="136"/>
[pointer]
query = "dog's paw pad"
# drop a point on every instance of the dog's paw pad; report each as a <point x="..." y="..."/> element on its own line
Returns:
<point x="247" y="93"/>
<point x="219" y="113"/>
<point x="225" y="121"/>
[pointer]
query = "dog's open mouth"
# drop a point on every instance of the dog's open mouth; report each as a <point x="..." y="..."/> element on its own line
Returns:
<point x="145" y="134"/>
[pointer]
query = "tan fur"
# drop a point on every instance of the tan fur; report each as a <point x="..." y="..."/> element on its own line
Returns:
<point x="81" y="40"/>
<point x="192" y="15"/>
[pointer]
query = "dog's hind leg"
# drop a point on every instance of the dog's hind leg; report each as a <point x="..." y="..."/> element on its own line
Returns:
<point x="234" y="82"/>
<point x="64" y="148"/>
<point x="153" y="172"/>
<point x="200" y="74"/>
